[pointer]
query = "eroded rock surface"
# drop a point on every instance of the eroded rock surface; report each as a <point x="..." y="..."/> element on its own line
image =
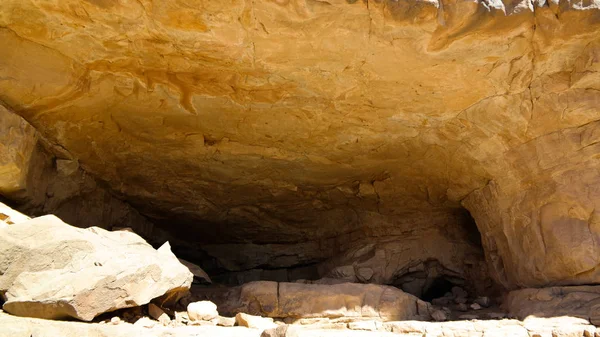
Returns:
<point x="298" y="300"/>
<point x="579" y="301"/>
<point x="51" y="270"/>
<point x="302" y="127"/>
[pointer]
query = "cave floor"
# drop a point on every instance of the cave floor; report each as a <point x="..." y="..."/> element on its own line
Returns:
<point x="558" y="326"/>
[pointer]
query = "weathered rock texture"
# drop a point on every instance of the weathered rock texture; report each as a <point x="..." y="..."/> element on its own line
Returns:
<point x="43" y="182"/>
<point x="51" y="270"/>
<point x="296" y="126"/>
<point x="579" y="301"/>
<point x="298" y="300"/>
<point x="17" y="142"/>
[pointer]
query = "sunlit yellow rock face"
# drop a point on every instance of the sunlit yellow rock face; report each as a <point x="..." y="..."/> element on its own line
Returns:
<point x="17" y="142"/>
<point x="307" y="121"/>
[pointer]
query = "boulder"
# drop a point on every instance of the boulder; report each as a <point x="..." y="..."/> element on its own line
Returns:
<point x="202" y="311"/>
<point x="49" y="269"/>
<point x="577" y="301"/>
<point x="349" y="299"/>
<point x="300" y="300"/>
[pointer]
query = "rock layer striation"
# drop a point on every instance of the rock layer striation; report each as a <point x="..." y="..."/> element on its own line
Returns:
<point x="307" y="124"/>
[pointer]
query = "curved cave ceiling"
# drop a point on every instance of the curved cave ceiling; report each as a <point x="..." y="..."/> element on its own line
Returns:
<point x="289" y="122"/>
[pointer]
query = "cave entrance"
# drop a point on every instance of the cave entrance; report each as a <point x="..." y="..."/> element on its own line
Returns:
<point x="439" y="287"/>
<point x="430" y="281"/>
<point x="434" y="279"/>
<point x="432" y="260"/>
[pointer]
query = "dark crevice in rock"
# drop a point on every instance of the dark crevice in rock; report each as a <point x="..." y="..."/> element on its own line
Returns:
<point x="428" y="279"/>
<point x="10" y="203"/>
<point x="469" y="226"/>
<point x="438" y="288"/>
<point x="307" y="272"/>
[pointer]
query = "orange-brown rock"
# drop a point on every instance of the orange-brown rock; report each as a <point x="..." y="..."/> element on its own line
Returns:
<point x="304" y="128"/>
<point x="298" y="300"/>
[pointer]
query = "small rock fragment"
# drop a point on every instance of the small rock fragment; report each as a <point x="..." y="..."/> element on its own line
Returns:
<point x="225" y="321"/>
<point x="439" y="315"/>
<point x="460" y="300"/>
<point x="475" y="306"/>
<point x="254" y="321"/>
<point x="202" y="311"/>
<point x="203" y="323"/>
<point x="483" y="301"/>
<point x="462" y="307"/>
<point x="115" y="320"/>
<point x="158" y="314"/>
<point x="496" y="315"/>
<point x="279" y="331"/>
<point x="181" y="317"/>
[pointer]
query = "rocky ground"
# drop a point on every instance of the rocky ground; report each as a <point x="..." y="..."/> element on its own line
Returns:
<point x="530" y="327"/>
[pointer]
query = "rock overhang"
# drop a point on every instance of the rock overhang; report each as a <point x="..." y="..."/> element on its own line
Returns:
<point x="300" y="122"/>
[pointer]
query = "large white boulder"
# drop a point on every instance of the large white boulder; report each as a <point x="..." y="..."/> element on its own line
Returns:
<point x="49" y="269"/>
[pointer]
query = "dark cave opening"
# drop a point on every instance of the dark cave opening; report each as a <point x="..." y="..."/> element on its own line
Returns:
<point x="469" y="226"/>
<point x="8" y="202"/>
<point x="438" y="288"/>
<point x="434" y="278"/>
